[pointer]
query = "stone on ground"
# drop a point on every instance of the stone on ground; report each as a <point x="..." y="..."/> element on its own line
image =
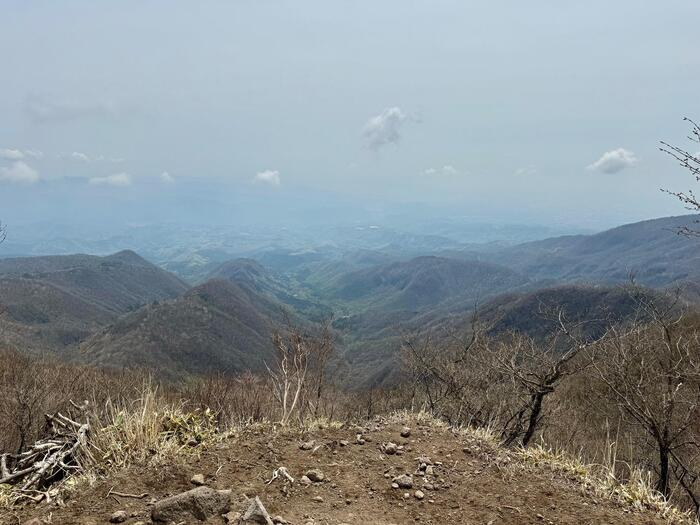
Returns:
<point x="201" y="503"/>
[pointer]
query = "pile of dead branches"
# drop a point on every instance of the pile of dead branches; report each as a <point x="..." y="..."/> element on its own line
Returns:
<point x="32" y="474"/>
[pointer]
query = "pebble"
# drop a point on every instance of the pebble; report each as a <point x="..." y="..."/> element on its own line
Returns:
<point x="308" y="445"/>
<point x="390" y="448"/>
<point x="405" y="432"/>
<point x="317" y="499"/>
<point x="315" y="475"/>
<point x="197" y="479"/>
<point x="119" y="516"/>
<point x="419" y="494"/>
<point x="404" y="481"/>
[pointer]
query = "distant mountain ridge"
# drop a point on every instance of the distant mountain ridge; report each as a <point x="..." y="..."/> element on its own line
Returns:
<point x="651" y="250"/>
<point x="55" y="301"/>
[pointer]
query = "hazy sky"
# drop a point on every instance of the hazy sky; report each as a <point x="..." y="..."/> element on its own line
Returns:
<point x="507" y="110"/>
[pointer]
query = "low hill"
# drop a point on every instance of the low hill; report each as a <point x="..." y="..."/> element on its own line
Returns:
<point x="253" y="276"/>
<point x="50" y="303"/>
<point x="218" y="326"/>
<point x="534" y="313"/>
<point x="425" y="282"/>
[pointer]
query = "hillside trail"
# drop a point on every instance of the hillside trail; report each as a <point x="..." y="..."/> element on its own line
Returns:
<point x="463" y="480"/>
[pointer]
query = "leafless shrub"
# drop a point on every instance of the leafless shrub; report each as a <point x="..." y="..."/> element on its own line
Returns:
<point x="234" y="400"/>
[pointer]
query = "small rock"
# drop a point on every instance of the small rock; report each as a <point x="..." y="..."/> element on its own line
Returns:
<point x="406" y="495"/>
<point x="404" y="481"/>
<point x="279" y="520"/>
<point x="315" y="475"/>
<point x="254" y="512"/>
<point x="119" y="516"/>
<point x="405" y="432"/>
<point x="317" y="499"/>
<point x="390" y="448"/>
<point x="308" y="445"/>
<point x="197" y="479"/>
<point x="419" y="494"/>
<point x="394" y="485"/>
<point x="305" y="480"/>
<point x="232" y="517"/>
<point x="344" y="443"/>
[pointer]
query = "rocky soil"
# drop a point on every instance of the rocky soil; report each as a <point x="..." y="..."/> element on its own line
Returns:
<point x="384" y="473"/>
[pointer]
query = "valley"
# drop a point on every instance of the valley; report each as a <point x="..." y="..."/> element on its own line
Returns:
<point x="218" y="316"/>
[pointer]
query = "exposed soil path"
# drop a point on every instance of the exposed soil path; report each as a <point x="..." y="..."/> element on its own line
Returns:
<point x="471" y="483"/>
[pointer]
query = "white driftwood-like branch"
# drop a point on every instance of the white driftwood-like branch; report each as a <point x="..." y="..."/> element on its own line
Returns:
<point x="33" y="472"/>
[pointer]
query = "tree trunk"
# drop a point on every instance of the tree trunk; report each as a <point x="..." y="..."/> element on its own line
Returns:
<point x="535" y="412"/>
<point x="662" y="484"/>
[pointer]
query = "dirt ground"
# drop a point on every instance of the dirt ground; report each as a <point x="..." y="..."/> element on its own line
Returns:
<point x="472" y="483"/>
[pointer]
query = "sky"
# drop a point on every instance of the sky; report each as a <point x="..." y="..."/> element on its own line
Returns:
<point x="538" y="112"/>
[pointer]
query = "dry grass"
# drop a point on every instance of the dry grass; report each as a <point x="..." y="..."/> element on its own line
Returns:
<point x="147" y="431"/>
<point x="635" y="492"/>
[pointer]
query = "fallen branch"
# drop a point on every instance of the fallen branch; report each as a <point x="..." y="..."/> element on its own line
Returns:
<point x="32" y="473"/>
<point x="125" y="494"/>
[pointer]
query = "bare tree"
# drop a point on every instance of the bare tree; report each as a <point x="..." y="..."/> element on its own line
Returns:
<point x="322" y="348"/>
<point x="651" y="371"/>
<point x="691" y="162"/>
<point x="451" y="375"/>
<point x="290" y="371"/>
<point x="500" y="382"/>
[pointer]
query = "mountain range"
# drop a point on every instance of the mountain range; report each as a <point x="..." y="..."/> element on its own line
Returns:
<point x="123" y="311"/>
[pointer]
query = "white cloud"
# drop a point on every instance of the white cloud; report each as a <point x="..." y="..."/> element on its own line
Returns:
<point x="118" y="179"/>
<point x="271" y="177"/>
<point x="82" y="157"/>
<point x="11" y="154"/>
<point x="614" y="161"/>
<point x="19" y="172"/>
<point x="34" y="153"/>
<point x="166" y="178"/>
<point x="446" y="170"/>
<point x="384" y="128"/>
